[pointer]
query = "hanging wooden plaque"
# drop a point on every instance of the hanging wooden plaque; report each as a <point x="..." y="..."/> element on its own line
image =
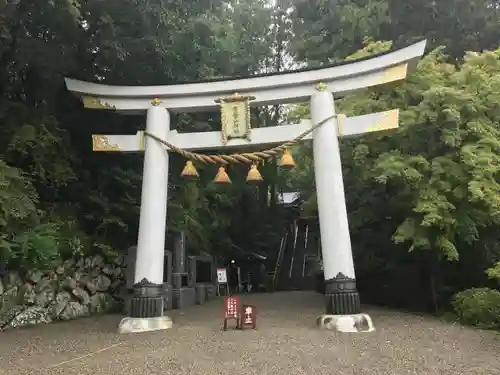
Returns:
<point x="235" y="117"/>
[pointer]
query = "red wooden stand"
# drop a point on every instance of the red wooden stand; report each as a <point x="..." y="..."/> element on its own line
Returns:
<point x="248" y="316"/>
<point x="232" y="310"/>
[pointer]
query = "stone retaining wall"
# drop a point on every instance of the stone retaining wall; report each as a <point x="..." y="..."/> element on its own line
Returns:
<point x="73" y="289"/>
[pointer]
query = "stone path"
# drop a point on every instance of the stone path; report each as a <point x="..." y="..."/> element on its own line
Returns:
<point x="286" y="342"/>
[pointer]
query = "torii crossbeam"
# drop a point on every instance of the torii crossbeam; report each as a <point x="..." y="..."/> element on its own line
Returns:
<point x="204" y="141"/>
<point x="343" y="311"/>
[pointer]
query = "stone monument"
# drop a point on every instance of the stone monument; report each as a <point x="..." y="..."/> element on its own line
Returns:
<point x="167" y="280"/>
<point x="183" y="291"/>
<point x="202" y="274"/>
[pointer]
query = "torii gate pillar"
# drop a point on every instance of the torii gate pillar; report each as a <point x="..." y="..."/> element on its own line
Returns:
<point x="147" y="303"/>
<point x="343" y="310"/>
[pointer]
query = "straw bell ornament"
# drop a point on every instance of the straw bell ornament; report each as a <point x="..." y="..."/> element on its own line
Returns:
<point x="222" y="177"/>
<point x="189" y="170"/>
<point x="254" y="175"/>
<point x="287" y="160"/>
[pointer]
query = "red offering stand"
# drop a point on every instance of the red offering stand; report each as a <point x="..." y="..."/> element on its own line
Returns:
<point x="248" y="316"/>
<point x="232" y="310"/>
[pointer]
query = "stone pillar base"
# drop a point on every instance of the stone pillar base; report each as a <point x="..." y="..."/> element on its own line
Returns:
<point x="346" y="323"/>
<point x="210" y="291"/>
<point x="147" y="301"/>
<point x="138" y="325"/>
<point x="183" y="297"/>
<point x="342" y="297"/>
<point x="200" y="294"/>
<point x="145" y="309"/>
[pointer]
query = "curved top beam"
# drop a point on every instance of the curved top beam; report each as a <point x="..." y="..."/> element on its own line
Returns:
<point x="288" y="87"/>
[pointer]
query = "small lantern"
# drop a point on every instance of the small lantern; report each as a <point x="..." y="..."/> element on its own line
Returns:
<point x="189" y="170"/>
<point x="254" y="175"/>
<point x="222" y="177"/>
<point x="287" y="160"/>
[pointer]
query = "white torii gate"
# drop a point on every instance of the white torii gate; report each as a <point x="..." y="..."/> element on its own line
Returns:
<point x="342" y="299"/>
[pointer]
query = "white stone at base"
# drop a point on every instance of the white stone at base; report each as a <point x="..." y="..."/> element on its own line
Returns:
<point x="138" y="325"/>
<point x="346" y="323"/>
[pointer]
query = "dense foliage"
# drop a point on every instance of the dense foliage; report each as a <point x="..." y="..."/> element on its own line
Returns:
<point x="423" y="201"/>
<point x="440" y="172"/>
<point x="45" y="139"/>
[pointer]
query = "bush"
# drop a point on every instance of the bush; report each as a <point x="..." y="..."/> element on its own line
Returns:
<point x="479" y="307"/>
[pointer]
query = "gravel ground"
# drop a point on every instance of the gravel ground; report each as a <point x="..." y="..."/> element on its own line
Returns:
<point x="286" y="342"/>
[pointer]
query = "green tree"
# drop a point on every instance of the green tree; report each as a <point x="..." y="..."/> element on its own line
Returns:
<point x="329" y="30"/>
<point x="459" y="25"/>
<point x="46" y="134"/>
<point x="433" y="184"/>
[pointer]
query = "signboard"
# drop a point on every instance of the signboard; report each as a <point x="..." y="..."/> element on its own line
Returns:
<point x="221" y="276"/>
<point x="248" y="316"/>
<point x="235" y="117"/>
<point x="232" y="310"/>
